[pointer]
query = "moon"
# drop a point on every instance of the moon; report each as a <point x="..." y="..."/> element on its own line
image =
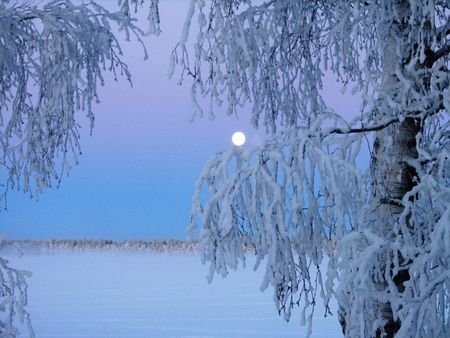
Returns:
<point x="238" y="138"/>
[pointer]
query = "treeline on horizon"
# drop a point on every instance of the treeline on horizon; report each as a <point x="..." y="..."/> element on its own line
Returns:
<point x="90" y="245"/>
<point x="97" y="245"/>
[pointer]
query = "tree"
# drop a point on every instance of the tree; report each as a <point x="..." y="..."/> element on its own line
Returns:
<point x="302" y="199"/>
<point x="52" y="60"/>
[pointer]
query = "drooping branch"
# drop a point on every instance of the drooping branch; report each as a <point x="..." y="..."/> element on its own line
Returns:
<point x="53" y="59"/>
<point x="277" y="198"/>
<point x="397" y="57"/>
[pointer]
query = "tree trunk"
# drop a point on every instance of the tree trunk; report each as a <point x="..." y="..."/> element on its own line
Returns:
<point x="392" y="174"/>
<point x="393" y="177"/>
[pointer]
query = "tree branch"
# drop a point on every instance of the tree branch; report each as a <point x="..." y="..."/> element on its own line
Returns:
<point x="361" y="130"/>
<point x="434" y="56"/>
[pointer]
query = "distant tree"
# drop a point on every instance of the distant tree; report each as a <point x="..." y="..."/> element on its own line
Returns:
<point x="52" y="57"/>
<point x="304" y="198"/>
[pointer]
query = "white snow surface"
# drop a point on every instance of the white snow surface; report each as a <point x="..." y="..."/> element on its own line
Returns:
<point x="106" y="294"/>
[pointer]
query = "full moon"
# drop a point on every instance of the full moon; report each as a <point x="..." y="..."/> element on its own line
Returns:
<point x="238" y="138"/>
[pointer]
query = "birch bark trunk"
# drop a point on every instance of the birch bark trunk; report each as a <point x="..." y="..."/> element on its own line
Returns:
<point x="394" y="147"/>
<point x="392" y="174"/>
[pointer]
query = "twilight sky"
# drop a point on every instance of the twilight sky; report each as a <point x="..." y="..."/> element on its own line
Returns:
<point x="137" y="173"/>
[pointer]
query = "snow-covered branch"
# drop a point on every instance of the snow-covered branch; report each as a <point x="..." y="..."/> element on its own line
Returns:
<point x="53" y="59"/>
<point x="290" y="196"/>
<point x="13" y="292"/>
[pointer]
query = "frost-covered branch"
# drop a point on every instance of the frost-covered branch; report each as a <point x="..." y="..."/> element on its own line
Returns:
<point x="302" y="188"/>
<point x="13" y="294"/>
<point x="53" y="59"/>
<point x="127" y="16"/>
<point x="289" y="198"/>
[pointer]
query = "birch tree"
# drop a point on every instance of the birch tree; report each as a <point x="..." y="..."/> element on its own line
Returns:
<point x="52" y="60"/>
<point x="302" y="199"/>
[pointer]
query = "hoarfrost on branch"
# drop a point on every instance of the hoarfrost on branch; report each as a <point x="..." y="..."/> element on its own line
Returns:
<point x="52" y="59"/>
<point x="303" y="197"/>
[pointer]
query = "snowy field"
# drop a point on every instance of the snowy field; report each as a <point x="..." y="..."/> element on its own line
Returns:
<point x="152" y="295"/>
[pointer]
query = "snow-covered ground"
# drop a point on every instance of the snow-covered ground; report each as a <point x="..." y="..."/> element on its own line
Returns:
<point x="152" y="295"/>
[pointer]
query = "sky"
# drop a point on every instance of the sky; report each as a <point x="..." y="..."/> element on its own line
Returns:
<point x="137" y="173"/>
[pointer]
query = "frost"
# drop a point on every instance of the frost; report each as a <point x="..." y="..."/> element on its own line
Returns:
<point x="171" y="66"/>
<point x="53" y="58"/>
<point x="13" y="288"/>
<point x="369" y="190"/>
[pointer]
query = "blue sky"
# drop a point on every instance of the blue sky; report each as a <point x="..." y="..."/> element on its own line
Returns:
<point x="137" y="172"/>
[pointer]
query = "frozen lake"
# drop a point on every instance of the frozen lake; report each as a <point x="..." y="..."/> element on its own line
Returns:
<point x="152" y="295"/>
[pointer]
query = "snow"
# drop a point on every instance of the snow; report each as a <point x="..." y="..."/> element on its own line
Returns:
<point x="106" y="294"/>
